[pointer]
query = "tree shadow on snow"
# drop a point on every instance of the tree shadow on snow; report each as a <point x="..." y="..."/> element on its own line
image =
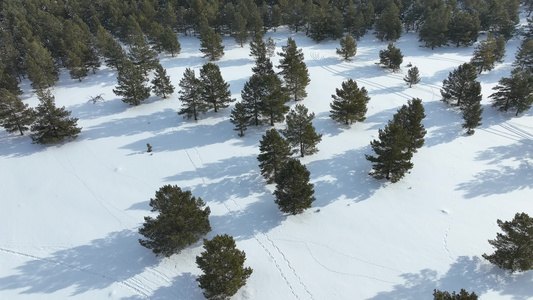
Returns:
<point x="183" y="286"/>
<point x="470" y="273"/>
<point x="95" y="266"/>
<point x="442" y="122"/>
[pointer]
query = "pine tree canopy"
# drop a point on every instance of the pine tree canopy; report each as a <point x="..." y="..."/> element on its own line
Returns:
<point x="293" y="70"/>
<point x="463" y="295"/>
<point x="410" y="118"/>
<point x="459" y="84"/>
<point x="391" y="57"/>
<point x="190" y="96"/>
<point x="412" y="77"/>
<point x="131" y="84"/>
<point x="348" y="47"/>
<point x="14" y="114"/>
<point x="515" y="92"/>
<point x="300" y="131"/>
<point x="349" y="103"/>
<point x="214" y="90"/>
<point x="294" y="193"/>
<point x="240" y="118"/>
<point x="275" y="151"/>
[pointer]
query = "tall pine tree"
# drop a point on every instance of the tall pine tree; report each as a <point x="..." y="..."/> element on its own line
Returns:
<point x="410" y="118"/>
<point x="293" y="70"/>
<point x="14" y="114"/>
<point x="240" y="118"/>
<point x="161" y="85"/>
<point x="349" y="103"/>
<point x="294" y="193"/>
<point x="275" y="151"/>
<point x="131" y="84"/>
<point x="459" y="85"/>
<point x="190" y="95"/>
<point x="214" y="90"/>
<point x="300" y="131"/>
<point x="515" y="92"/>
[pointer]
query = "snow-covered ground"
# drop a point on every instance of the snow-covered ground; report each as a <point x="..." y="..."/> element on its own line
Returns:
<point x="70" y="212"/>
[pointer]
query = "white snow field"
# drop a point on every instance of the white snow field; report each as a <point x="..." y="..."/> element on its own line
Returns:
<point x="71" y="212"/>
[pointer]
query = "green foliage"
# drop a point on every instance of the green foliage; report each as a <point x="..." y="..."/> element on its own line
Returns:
<point x="14" y="114"/>
<point x="240" y="118"/>
<point x="170" y="42"/>
<point x="463" y="295"/>
<point x="214" y="90"/>
<point x="412" y="77"/>
<point x="182" y="221"/>
<point x="190" y="95"/>
<point x="275" y="151"/>
<point x="131" y="84"/>
<point x="487" y="53"/>
<point x="293" y="70"/>
<point x="161" y="85"/>
<point x="391" y="58"/>
<point x="223" y="268"/>
<point x="434" y="29"/>
<point x="112" y="51"/>
<point x="210" y="43"/>
<point x="472" y="117"/>
<point x="300" y="131"/>
<point x="410" y="117"/>
<point x="524" y="55"/>
<point x="40" y="66"/>
<point x="143" y="56"/>
<point x="52" y="124"/>
<point x="515" y="92"/>
<point x="513" y="247"/>
<point x="349" y="103"/>
<point x="463" y="28"/>
<point x="389" y="25"/>
<point x="348" y="47"/>
<point x="274" y="97"/>
<point x="393" y="159"/>
<point x="294" y="193"/>
<point x="460" y="85"/>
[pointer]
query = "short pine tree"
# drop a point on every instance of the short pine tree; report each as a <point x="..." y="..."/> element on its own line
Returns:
<point x="293" y="70"/>
<point x="349" y="103"/>
<point x="274" y="98"/>
<point x="392" y="160"/>
<point x="472" y="117"/>
<point x="182" y="221"/>
<point x="513" y="247"/>
<point x="459" y="84"/>
<point x="52" y="124"/>
<point x="14" y="114"/>
<point x="488" y="52"/>
<point x="270" y="47"/>
<point x="515" y="92"/>
<point x="161" y="85"/>
<point x="252" y="96"/>
<point x="463" y="295"/>
<point x="300" y="131"/>
<point x="524" y="55"/>
<point x="190" y="96"/>
<point x="223" y="268"/>
<point x="240" y="118"/>
<point x="294" y="193"/>
<point x="410" y="118"/>
<point x="275" y="151"/>
<point x="170" y="42"/>
<point x="391" y="57"/>
<point x="348" y="47"/>
<point x="214" y="90"/>
<point x="131" y="84"/>
<point x="412" y="77"/>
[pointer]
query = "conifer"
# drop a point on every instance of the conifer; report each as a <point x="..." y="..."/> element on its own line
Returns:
<point x="40" y="66"/>
<point x="524" y="55"/>
<point x="472" y="117"/>
<point x="252" y="96"/>
<point x="170" y="42"/>
<point x="214" y="90"/>
<point x="389" y="25"/>
<point x="275" y="151"/>
<point x="488" y="52"/>
<point x="293" y="70"/>
<point x="349" y="103"/>
<point x="412" y="77"/>
<point x="131" y="84"/>
<point x="294" y="193"/>
<point x="410" y="118"/>
<point x="190" y="95"/>
<point x="515" y="92"/>
<point x="391" y="57"/>
<point x="161" y="85"/>
<point x="459" y="85"/>
<point x="240" y="118"/>
<point x="14" y="114"/>
<point x="348" y="47"/>
<point x="300" y="131"/>
<point x="143" y="56"/>
<point x="210" y="43"/>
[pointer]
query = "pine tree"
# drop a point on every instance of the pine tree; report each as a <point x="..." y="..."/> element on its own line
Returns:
<point x="240" y="118"/>
<point x="214" y="89"/>
<point x="143" y="56"/>
<point x="170" y="42"/>
<point x="472" y="117"/>
<point x="463" y="295"/>
<point x="348" y="47"/>
<point x="270" y="47"/>
<point x="349" y="103"/>
<point x="161" y="85"/>
<point x="190" y="96"/>
<point x="513" y="246"/>
<point x="272" y="104"/>
<point x="434" y="29"/>
<point x="410" y="117"/>
<point x="258" y="47"/>
<point x="524" y="55"/>
<point x="293" y="70"/>
<point x="252" y="96"/>
<point x="239" y="32"/>
<point x="14" y="114"/>
<point x="459" y="84"/>
<point x="487" y="53"/>
<point x="391" y="58"/>
<point x="463" y="28"/>
<point x="515" y="92"/>
<point x="300" y="131"/>
<point x="223" y="268"/>
<point x="389" y="25"/>
<point x="294" y="193"/>
<point x="393" y="159"/>
<point x="275" y="151"/>
<point x="412" y="77"/>
<point x="210" y="43"/>
<point x="112" y="51"/>
<point x="131" y="84"/>
<point x="40" y="66"/>
<point x="182" y="221"/>
<point x="52" y="124"/>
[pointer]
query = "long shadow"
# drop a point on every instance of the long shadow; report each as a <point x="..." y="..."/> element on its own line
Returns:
<point x="18" y="146"/>
<point x="182" y="287"/>
<point x="470" y="273"/>
<point x="343" y="176"/>
<point x="95" y="266"/>
<point x="442" y="122"/>
<point x="328" y="126"/>
<point x="94" y="110"/>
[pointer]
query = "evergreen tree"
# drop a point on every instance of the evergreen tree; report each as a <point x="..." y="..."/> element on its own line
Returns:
<point x="515" y="92"/>
<point x="112" y="51"/>
<point x="273" y="99"/>
<point x="240" y="118"/>
<point x="40" y="66"/>
<point x="293" y="70"/>
<point x="459" y="85"/>
<point x="410" y="117"/>
<point x="210" y="43"/>
<point x="391" y="58"/>
<point x="252" y="96"/>
<point x="161" y="85"/>
<point x="170" y="42"/>
<point x="463" y="295"/>
<point x="334" y="23"/>
<point x="223" y="268"/>
<point x="393" y="159"/>
<point x="412" y="77"/>
<point x="463" y="28"/>
<point x="190" y="96"/>
<point x="294" y="193"/>
<point x="349" y="103"/>
<point x="270" y="47"/>
<point x="300" y="131"/>
<point x="143" y="56"/>
<point x="472" y="117"/>
<point x="131" y="84"/>
<point x="14" y="114"/>
<point x="239" y="32"/>
<point x="275" y="151"/>
<point x="389" y="25"/>
<point x="348" y="47"/>
<point x="513" y="246"/>
<point x="258" y="47"/>
<point x="52" y="124"/>
<point x="182" y="221"/>
<point x="318" y="24"/>
<point x="434" y="29"/>
<point x="487" y="53"/>
<point x="524" y="55"/>
<point x="214" y="89"/>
